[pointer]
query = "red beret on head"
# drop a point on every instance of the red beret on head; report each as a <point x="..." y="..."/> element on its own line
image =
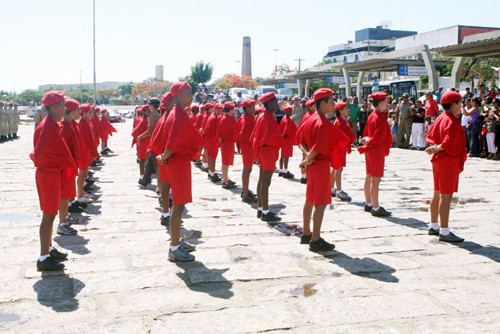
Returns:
<point x="145" y="107"/>
<point x="309" y="103"/>
<point x="378" y="95"/>
<point x="259" y="109"/>
<point x="450" y="97"/>
<point x="219" y="106"/>
<point x="248" y="102"/>
<point x="195" y="107"/>
<point x="97" y="109"/>
<point x="162" y="107"/>
<point x="104" y="110"/>
<point x="209" y="105"/>
<point x="266" y="97"/>
<point x="322" y="93"/>
<point x="187" y="109"/>
<point x="52" y="97"/>
<point x="203" y="107"/>
<point x="288" y="108"/>
<point x="341" y="105"/>
<point x="178" y="87"/>
<point x="85" y="107"/>
<point x="229" y="104"/>
<point x="71" y="104"/>
<point x="166" y="97"/>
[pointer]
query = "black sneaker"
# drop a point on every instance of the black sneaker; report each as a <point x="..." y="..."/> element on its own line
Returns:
<point x="57" y="255"/>
<point x="259" y="214"/>
<point x="381" y="212"/>
<point x="228" y="186"/>
<point x="248" y="199"/>
<point x="303" y="180"/>
<point x="80" y="204"/>
<point x="214" y="178"/>
<point x="90" y="173"/>
<point x="281" y="174"/>
<point x="251" y="194"/>
<point x="49" y="265"/>
<point x="143" y="182"/>
<point x="320" y="245"/>
<point x="368" y="208"/>
<point x="288" y="175"/>
<point x="270" y="217"/>
<point x="230" y="181"/>
<point x="75" y="209"/>
<point x="66" y="230"/>
<point x="433" y="231"/>
<point x="165" y="221"/>
<point x="204" y="169"/>
<point x="450" y="238"/>
<point x="305" y="239"/>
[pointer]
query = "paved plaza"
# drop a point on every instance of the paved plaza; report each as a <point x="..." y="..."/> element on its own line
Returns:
<point x="385" y="276"/>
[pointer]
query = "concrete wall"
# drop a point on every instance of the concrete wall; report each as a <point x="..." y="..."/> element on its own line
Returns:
<point x="433" y="39"/>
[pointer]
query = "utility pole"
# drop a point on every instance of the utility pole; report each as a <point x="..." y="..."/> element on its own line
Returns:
<point x="275" y="58"/>
<point x="299" y="60"/>
<point x="94" y="52"/>
<point x="81" y="92"/>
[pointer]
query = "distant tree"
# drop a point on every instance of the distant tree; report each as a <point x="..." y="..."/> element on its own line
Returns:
<point x="82" y="94"/>
<point x="201" y="72"/>
<point x="127" y="98"/>
<point x="234" y="80"/>
<point x="126" y="89"/>
<point x="152" y="87"/>
<point x="103" y="95"/>
<point x="322" y="84"/>
<point x="480" y="68"/>
<point x="194" y="84"/>
<point x="30" y="96"/>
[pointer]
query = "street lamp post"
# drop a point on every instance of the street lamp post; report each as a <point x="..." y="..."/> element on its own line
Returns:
<point x="275" y="58"/>
<point x="300" y="60"/>
<point x="94" y="51"/>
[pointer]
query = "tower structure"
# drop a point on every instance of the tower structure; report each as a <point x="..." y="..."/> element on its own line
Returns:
<point x="246" y="61"/>
<point x="159" y="72"/>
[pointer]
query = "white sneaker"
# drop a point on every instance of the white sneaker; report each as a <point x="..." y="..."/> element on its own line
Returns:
<point x="85" y="200"/>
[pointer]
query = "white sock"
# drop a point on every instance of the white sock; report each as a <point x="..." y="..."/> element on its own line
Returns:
<point x="285" y="171"/>
<point x="205" y="165"/>
<point x="166" y="214"/>
<point x="375" y="208"/>
<point x="444" y="231"/>
<point x="334" y="189"/>
<point x="339" y="190"/>
<point x="51" y="248"/>
<point x="435" y="226"/>
<point x="265" y="212"/>
<point x="64" y="224"/>
<point x="211" y="173"/>
<point x="43" y="257"/>
<point x="174" y="248"/>
<point x="303" y="176"/>
<point x="369" y="204"/>
<point x="142" y="176"/>
<point x="260" y="209"/>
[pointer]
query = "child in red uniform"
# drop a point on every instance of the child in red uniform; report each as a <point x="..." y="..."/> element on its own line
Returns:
<point x="195" y="109"/>
<point x="88" y="149"/>
<point x="209" y="109"/>
<point x="51" y="157"/>
<point x="318" y="140"/>
<point x="106" y="130"/>
<point x="339" y="157"/>
<point x="311" y="109"/>
<point x="376" y="142"/>
<point x="448" y="149"/>
<point x="288" y="131"/>
<point x="142" y="143"/>
<point x="182" y="142"/>
<point x="211" y="143"/>
<point x="226" y="136"/>
<point x="243" y="129"/>
<point x="266" y="141"/>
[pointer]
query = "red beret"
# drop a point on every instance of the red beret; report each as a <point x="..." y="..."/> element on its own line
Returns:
<point x="203" y="107"/>
<point x="341" y="105"/>
<point x="378" y="95"/>
<point x="309" y="103"/>
<point x="195" y="107"/>
<point x="450" y="97"/>
<point x="187" y="109"/>
<point x="85" y="107"/>
<point x="162" y="107"/>
<point x="288" y="108"/>
<point x="71" y="104"/>
<point x="53" y="97"/>
<point x="145" y="107"/>
<point x="219" y="106"/>
<point x="229" y="104"/>
<point x="97" y="109"/>
<point x="259" y="109"/>
<point x="248" y="102"/>
<point x="178" y="87"/>
<point x="322" y="93"/>
<point x="209" y="105"/>
<point x="166" y="97"/>
<point x="266" y="97"/>
<point x="104" y="110"/>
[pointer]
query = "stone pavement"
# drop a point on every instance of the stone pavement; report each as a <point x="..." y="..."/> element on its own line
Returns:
<point x="386" y="275"/>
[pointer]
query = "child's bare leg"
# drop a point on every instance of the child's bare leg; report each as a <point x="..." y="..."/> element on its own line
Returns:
<point x="444" y="209"/>
<point x="367" y="188"/>
<point x="435" y="207"/>
<point x="375" y="182"/>
<point x="306" y="214"/>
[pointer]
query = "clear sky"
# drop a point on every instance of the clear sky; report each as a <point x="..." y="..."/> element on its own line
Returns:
<point x="50" y="41"/>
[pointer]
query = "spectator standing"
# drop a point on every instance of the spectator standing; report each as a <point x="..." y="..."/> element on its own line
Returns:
<point x="431" y="106"/>
<point x="491" y="126"/>
<point x="468" y="94"/>
<point x="375" y="84"/>
<point x="474" y="127"/>
<point x="363" y="117"/>
<point x="354" y="113"/>
<point x="417" y="129"/>
<point x="438" y="94"/>
<point x="466" y="107"/>
<point x="297" y="112"/>
<point x="403" y="112"/>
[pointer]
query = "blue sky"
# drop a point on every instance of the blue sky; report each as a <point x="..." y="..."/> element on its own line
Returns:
<point x="50" y="41"/>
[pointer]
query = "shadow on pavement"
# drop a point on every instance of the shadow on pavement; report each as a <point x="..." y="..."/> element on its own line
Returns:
<point x="58" y="291"/>
<point x="410" y="222"/>
<point x="74" y="243"/>
<point x="199" y="278"/>
<point x="491" y="252"/>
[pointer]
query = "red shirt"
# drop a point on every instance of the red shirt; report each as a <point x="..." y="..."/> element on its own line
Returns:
<point x="204" y="120"/>
<point x="431" y="108"/>
<point x="88" y="139"/>
<point x="157" y="142"/>
<point x="139" y="129"/>
<point x="71" y="139"/>
<point x="211" y="125"/>
<point x="226" y="129"/>
<point x="447" y="131"/>
<point x="288" y="128"/>
<point x="198" y="121"/>
<point x="180" y="135"/>
<point x="302" y="121"/>
<point x="266" y="132"/>
<point x="243" y="129"/>
<point x="378" y="131"/>
<point x="345" y="126"/>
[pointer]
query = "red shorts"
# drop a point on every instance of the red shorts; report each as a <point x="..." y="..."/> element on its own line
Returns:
<point x="267" y="158"/>
<point x="445" y="174"/>
<point x="48" y="185"/>
<point x="339" y="160"/>
<point x="287" y="148"/>
<point x="375" y="160"/>
<point x="318" y="189"/>
<point x="142" y="148"/>
<point x="247" y="155"/>
<point x="212" y="147"/>
<point x="68" y="189"/>
<point x="227" y="152"/>
<point x="178" y="174"/>
<point x="87" y="159"/>
<point x="162" y="169"/>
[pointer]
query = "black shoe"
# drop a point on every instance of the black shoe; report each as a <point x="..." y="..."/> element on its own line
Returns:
<point x="57" y="255"/>
<point x="143" y="182"/>
<point x="303" y="180"/>
<point x="75" y="209"/>
<point x="81" y="205"/>
<point x="204" y="169"/>
<point x="433" y="231"/>
<point x="381" y="212"/>
<point x="165" y="221"/>
<point x="259" y="214"/>
<point x="251" y="194"/>
<point x="368" y="208"/>
<point x="320" y="245"/>
<point x="270" y="217"/>
<point x="90" y="173"/>
<point x="281" y="174"/>
<point x="49" y="265"/>
<point x="94" y="164"/>
<point x="450" y="238"/>
<point x="305" y="239"/>
<point x="249" y="199"/>
<point x="214" y="178"/>
<point x="230" y="181"/>
<point x="228" y="186"/>
<point x="288" y="175"/>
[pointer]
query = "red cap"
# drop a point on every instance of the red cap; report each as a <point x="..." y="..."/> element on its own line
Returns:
<point x="71" y="104"/>
<point x="178" y="87"/>
<point x="248" y="102"/>
<point x="97" y="109"/>
<point x="322" y="93"/>
<point x="309" y="103"/>
<point x="341" y="105"/>
<point x="104" y="110"/>
<point x="85" y="107"/>
<point x="288" y="108"/>
<point x="378" y="95"/>
<point x="219" y="106"/>
<point x="259" y="109"/>
<point x="266" y="97"/>
<point x="209" y="105"/>
<point x="450" y="97"/>
<point x="203" y="107"/>
<point x="166" y="97"/>
<point x="53" y="97"/>
<point x="229" y="104"/>
<point x="145" y="107"/>
<point x="195" y="107"/>
<point x="163" y="107"/>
